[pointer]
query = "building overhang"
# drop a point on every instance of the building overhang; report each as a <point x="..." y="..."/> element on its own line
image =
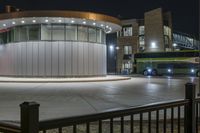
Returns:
<point x="108" y="23"/>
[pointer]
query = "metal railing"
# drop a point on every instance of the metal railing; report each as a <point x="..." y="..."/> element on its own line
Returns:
<point x="175" y="116"/>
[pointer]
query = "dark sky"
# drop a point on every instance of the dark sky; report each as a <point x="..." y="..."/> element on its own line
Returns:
<point x="185" y="12"/>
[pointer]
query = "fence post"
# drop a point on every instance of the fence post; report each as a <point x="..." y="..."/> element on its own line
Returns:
<point x="190" y="122"/>
<point x="29" y="117"/>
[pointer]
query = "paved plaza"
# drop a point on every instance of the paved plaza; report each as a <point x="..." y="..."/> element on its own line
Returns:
<point x="71" y="99"/>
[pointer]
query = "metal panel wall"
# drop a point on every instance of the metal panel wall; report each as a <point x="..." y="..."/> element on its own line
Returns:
<point x="53" y="59"/>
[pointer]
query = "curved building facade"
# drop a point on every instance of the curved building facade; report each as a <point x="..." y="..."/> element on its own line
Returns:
<point x="54" y="43"/>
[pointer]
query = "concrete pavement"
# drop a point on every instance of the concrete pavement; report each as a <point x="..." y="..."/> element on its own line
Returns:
<point x="70" y="99"/>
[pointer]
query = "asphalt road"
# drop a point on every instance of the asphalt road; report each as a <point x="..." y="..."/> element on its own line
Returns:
<point x="71" y="99"/>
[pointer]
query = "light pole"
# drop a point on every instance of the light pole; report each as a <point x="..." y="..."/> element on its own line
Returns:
<point x="117" y="48"/>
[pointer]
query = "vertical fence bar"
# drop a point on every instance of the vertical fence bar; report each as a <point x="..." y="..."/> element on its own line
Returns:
<point x="60" y="130"/>
<point x="157" y="121"/>
<point x="100" y="126"/>
<point x="190" y="121"/>
<point x="122" y="124"/>
<point x="132" y="124"/>
<point x="74" y="128"/>
<point x="164" y="122"/>
<point x="149" y="122"/>
<point x="29" y="117"/>
<point x="88" y="127"/>
<point x="172" y="120"/>
<point x="111" y="125"/>
<point x="141" y="123"/>
<point x="197" y="115"/>
<point x="179" y="121"/>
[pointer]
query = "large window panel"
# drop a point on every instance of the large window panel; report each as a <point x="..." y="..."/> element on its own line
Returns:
<point x="141" y="30"/>
<point x="23" y="33"/>
<point x="71" y="32"/>
<point x="34" y="32"/>
<point x="58" y="32"/>
<point x="46" y="32"/>
<point x="127" y="50"/>
<point x="2" y="38"/>
<point x="92" y="35"/>
<point x="82" y="33"/>
<point x="99" y="36"/>
<point x="16" y="34"/>
<point x="103" y="38"/>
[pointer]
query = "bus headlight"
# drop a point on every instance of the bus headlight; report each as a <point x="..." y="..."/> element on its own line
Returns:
<point x="169" y="70"/>
<point x="149" y="70"/>
<point x="192" y="70"/>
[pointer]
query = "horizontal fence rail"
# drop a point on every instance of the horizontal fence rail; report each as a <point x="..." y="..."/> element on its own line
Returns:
<point x="9" y="127"/>
<point x="120" y="113"/>
<point x="177" y="116"/>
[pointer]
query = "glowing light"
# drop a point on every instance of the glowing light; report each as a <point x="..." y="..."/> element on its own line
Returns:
<point x="169" y="70"/>
<point x="13" y="22"/>
<point x="175" y="45"/>
<point x="22" y="21"/>
<point x="34" y="21"/>
<point x="102" y="25"/>
<point x="117" y="48"/>
<point x="84" y="22"/>
<point x="94" y="23"/>
<point x="4" y="25"/>
<point x="149" y="70"/>
<point x="59" y="20"/>
<point x="46" y="20"/>
<point x="192" y="70"/>
<point x="153" y="45"/>
<point x="111" y="47"/>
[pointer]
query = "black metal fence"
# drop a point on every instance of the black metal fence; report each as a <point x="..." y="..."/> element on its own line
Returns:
<point x="178" y="116"/>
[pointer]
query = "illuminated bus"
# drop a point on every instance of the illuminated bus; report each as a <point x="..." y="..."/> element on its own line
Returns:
<point x="168" y="63"/>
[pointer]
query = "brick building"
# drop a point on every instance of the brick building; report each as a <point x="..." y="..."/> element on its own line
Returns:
<point x="151" y="34"/>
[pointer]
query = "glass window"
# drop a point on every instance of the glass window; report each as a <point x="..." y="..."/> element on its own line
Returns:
<point x="82" y="33"/>
<point x="10" y="35"/>
<point x="99" y="35"/>
<point x="128" y="31"/>
<point x="2" y="38"/>
<point x="58" y="32"/>
<point x="46" y="32"/>
<point x="141" y="30"/>
<point x="127" y="50"/>
<point x="141" y="40"/>
<point x="34" y="32"/>
<point x="71" y="32"/>
<point x="92" y="35"/>
<point x="167" y="30"/>
<point x="23" y="33"/>
<point x="103" y="37"/>
<point x="16" y="34"/>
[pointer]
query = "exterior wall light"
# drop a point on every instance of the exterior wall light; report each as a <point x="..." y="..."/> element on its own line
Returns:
<point x="153" y="45"/>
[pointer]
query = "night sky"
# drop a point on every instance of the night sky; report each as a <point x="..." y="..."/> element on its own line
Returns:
<point x="185" y="12"/>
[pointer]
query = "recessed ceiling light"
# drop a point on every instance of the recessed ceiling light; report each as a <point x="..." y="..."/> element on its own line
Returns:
<point x="13" y="22"/>
<point x="102" y="25"/>
<point x="84" y="22"/>
<point x="94" y="23"/>
<point x="46" y="20"/>
<point x="59" y="20"/>
<point x="107" y="26"/>
<point x="72" y="21"/>
<point x="34" y="21"/>
<point x="22" y="21"/>
<point x="4" y="25"/>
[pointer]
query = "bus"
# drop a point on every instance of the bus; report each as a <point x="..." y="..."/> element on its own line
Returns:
<point x="168" y="63"/>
